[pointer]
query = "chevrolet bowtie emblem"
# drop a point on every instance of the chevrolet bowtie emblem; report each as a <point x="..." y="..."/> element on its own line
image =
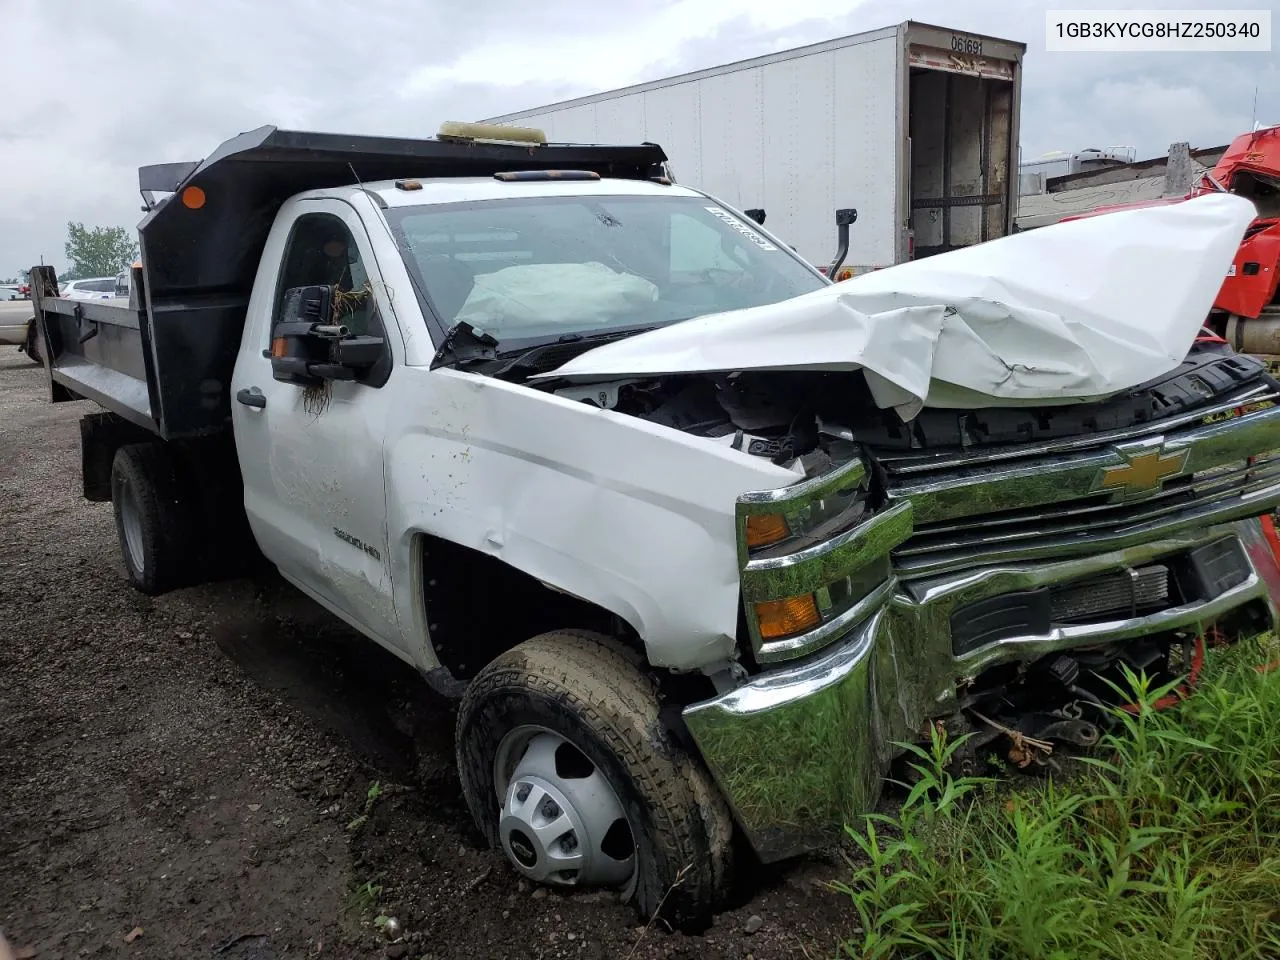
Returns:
<point x="1145" y="470"/>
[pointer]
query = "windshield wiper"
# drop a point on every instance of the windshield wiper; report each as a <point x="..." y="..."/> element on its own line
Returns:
<point x="465" y="344"/>
<point x="530" y="357"/>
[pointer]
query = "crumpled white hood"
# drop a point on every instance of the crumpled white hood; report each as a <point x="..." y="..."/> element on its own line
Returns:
<point x="1074" y="311"/>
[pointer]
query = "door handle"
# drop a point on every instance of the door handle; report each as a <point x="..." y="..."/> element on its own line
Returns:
<point x="251" y="397"/>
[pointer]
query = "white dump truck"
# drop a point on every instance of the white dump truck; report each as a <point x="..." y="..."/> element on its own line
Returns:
<point x="695" y="535"/>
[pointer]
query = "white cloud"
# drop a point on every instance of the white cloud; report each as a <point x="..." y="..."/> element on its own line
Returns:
<point x="599" y="63"/>
<point x="92" y="89"/>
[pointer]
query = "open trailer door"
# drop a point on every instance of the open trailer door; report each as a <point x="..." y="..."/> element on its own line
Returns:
<point x="962" y="100"/>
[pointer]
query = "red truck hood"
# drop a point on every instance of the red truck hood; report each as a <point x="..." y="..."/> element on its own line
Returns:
<point x="1256" y="152"/>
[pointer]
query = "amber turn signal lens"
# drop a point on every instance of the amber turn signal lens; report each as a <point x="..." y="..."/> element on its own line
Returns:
<point x="781" y="618"/>
<point x="279" y="347"/>
<point x="766" y="528"/>
<point x="193" y="197"/>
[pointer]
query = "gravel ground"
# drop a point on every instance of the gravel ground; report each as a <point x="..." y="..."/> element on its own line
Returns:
<point x="181" y="773"/>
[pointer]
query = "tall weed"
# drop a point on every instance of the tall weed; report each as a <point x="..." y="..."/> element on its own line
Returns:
<point x="1166" y="847"/>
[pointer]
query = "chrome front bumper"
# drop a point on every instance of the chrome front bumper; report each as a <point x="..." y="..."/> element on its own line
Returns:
<point x="800" y="750"/>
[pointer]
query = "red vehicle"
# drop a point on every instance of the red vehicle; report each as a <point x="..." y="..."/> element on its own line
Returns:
<point x="1247" y="310"/>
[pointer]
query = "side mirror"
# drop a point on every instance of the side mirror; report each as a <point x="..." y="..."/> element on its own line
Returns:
<point x="845" y="218"/>
<point x="756" y="214"/>
<point x="307" y="349"/>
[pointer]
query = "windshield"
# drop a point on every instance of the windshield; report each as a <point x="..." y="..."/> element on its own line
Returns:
<point x="542" y="268"/>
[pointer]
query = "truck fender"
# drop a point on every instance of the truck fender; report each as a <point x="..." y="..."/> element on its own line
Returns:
<point x="631" y="517"/>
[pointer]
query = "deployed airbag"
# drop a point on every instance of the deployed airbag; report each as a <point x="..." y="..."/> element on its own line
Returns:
<point x="538" y="293"/>
<point x="1074" y="311"/>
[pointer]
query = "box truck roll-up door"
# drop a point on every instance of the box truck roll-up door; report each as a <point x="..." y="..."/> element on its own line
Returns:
<point x="961" y="127"/>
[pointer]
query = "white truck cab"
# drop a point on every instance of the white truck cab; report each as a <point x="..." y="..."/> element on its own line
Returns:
<point x="529" y="262"/>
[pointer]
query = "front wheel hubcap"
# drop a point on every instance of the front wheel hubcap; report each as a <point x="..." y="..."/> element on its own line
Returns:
<point x="560" y="821"/>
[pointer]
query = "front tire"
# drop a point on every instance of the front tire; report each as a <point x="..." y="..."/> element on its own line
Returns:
<point x="571" y="719"/>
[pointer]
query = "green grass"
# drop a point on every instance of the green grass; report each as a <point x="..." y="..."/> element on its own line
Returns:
<point x="371" y="798"/>
<point x="1166" y="847"/>
<point x="363" y="900"/>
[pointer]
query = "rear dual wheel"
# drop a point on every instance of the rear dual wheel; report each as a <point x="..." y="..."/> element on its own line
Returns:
<point x="180" y="520"/>
<point x="152" y="519"/>
<point x="567" y="767"/>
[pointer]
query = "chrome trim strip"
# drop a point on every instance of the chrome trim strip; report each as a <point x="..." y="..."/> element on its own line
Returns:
<point x="853" y="473"/>
<point x="980" y="491"/>
<point x="807" y="570"/>
<point x="1251" y="504"/>
<point x="948" y="592"/>
<point x="935" y="541"/>
<point x="1210" y="485"/>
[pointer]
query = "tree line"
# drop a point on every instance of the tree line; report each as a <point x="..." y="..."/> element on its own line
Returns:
<point x="93" y="252"/>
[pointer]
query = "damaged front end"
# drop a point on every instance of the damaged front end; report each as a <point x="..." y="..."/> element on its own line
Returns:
<point x="993" y="570"/>
<point x="1007" y="488"/>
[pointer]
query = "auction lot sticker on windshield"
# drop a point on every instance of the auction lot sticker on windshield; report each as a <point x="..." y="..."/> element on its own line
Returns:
<point x="741" y="227"/>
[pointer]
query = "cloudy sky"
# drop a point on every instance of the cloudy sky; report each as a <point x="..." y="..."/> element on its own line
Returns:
<point x="92" y="89"/>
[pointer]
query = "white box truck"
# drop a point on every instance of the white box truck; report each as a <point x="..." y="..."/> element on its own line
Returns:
<point x="914" y="126"/>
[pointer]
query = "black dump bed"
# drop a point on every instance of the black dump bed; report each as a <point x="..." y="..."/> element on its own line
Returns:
<point x="165" y="364"/>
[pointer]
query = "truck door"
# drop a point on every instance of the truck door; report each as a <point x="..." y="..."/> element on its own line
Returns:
<point x="312" y="458"/>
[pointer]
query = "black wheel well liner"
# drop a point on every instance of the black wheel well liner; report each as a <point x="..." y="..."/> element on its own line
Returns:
<point x="205" y="463"/>
<point x="101" y="435"/>
<point x="208" y="479"/>
<point x="477" y="606"/>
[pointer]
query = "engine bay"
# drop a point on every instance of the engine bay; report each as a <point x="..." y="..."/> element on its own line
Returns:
<point x="817" y="418"/>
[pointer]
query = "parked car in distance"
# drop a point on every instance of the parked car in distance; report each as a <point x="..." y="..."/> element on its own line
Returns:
<point x="14" y="318"/>
<point x="90" y="288"/>
<point x="10" y="291"/>
<point x="124" y="281"/>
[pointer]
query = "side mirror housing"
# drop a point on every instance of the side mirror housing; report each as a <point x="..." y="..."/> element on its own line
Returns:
<point x="307" y="348"/>
<point x="756" y="214"/>
<point x="845" y="218"/>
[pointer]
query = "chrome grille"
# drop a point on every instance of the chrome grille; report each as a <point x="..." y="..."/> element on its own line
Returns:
<point x="1044" y="502"/>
